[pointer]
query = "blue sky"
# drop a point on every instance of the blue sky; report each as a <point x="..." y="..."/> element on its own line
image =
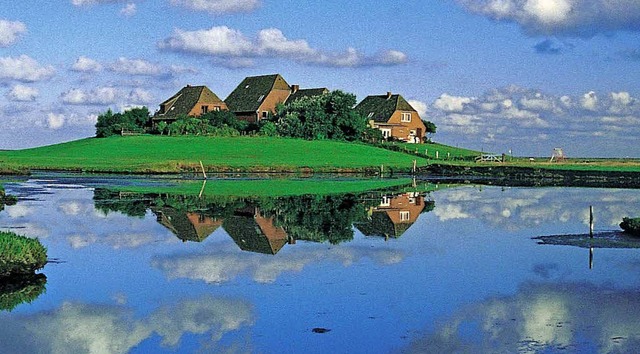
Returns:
<point x="496" y="75"/>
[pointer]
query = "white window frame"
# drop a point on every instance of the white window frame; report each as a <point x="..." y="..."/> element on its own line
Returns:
<point x="386" y="201"/>
<point x="405" y="215"/>
<point x="386" y="132"/>
<point x="406" y="117"/>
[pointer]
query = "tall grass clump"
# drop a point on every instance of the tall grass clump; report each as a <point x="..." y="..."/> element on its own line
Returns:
<point x="20" y="255"/>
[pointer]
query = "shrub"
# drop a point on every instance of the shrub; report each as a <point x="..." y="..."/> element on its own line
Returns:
<point x="631" y="225"/>
<point x="20" y="255"/>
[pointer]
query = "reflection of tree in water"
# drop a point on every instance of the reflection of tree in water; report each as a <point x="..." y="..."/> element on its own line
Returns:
<point x="6" y="199"/>
<point x="19" y="290"/>
<point x="262" y="225"/>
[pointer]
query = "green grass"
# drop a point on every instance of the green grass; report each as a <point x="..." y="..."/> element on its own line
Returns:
<point x="20" y="255"/>
<point x="433" y="151"/>
<point x="268" y="187"/>
<point x="140" y="154"/>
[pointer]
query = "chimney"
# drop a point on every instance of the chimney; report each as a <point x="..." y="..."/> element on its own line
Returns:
<point x="388" y="94"/>
<point x="295" y="88"/>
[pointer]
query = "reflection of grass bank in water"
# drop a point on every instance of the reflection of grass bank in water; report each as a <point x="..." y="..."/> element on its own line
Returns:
<point x="610" y="239"/>
<point x="20" y="290"/>
<point x="631" y="226"/>
<point x="268" y="187"/>
<point x="20" y="255"/>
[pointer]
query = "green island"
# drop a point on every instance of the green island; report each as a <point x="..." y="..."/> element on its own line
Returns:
<point x="20" y="255"/>
<point x="183" y="154"/>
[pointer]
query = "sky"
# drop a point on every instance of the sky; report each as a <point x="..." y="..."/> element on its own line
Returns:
<point x="519" y="76"/>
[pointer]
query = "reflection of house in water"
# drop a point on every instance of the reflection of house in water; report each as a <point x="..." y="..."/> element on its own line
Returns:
<point x="188" y="226"/>
<point x="394" y="216"/>
<point x="254" y="232"/>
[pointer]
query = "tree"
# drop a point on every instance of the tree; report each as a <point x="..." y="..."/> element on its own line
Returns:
<point x="431" y="128"/>
<point x="109" y="123"/>
<point x="328" y="116"/>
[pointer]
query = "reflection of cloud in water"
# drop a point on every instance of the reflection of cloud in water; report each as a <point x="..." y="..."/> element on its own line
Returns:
<point x="517" y="208"/>
<point x="226" y="263"/>
<point x="18" y="211"/>
<point x="542" y="317"/>
<point x="78" y="328"/>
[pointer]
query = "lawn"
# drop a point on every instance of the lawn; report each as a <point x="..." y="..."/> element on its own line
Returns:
<point x="139" y="154"/>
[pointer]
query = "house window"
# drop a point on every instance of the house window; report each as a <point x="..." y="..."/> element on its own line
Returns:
<point x="260" y="98"/>
<point x="265" y="114"/>
<point x="386" y="133"/>
<point x="370" y="115"/>
<point x="406" y="117"/>
<point x="205" y="109"/>
<point x="404" y="216"/>
<point x="386" y="201"/>
<point x="216" y="108"/>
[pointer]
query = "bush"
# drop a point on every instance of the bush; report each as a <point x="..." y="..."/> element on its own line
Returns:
<point x="134" y="120"/>
<point x="20" y="255"/>
<point x="631" y="225"/>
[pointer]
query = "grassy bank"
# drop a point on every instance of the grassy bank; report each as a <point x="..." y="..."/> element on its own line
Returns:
<point x="20" y="255"/>
<point x="145" y="154"/>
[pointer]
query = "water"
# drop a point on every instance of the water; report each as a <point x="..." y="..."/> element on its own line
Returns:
<point x="453" y="270"/>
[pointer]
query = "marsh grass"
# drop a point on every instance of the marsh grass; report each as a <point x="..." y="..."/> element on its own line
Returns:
<point x="20" y="255"/>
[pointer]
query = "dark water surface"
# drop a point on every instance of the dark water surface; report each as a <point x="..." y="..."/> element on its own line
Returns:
<point x="454" y="270"/>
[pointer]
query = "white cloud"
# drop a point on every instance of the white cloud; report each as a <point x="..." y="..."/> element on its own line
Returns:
<point x="529" y="120"/>
<point x="232" y="48"/>
<point x="24" y="68"/>
<point x="84" y="64"/>
<point x="581" y="18"/>
<point x="129" y="10"/>
<point x="105" y="96"/>
<point x="95" y="2"/>
<point x="450" y="103"/>
<point x="22" y="93"/>
<point x="420" y="107"/>
<point x="218" y="7"/>
<point x="10" y="32"/>
<point x="136" y="67"/>
<point x="55" y="121"/>
<point x="590" y="101"/>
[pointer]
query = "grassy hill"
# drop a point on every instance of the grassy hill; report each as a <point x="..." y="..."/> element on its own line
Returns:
<point x="147" y="154"/>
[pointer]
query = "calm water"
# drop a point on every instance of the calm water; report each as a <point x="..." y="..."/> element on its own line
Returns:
<point x="454" y="270"/>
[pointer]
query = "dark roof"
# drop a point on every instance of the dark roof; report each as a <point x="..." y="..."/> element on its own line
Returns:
<point x="380" y="224"/>
<point x="307" y="93"/>
<point x="184" y="101"/>
<point x="380" y="108"/>
<point x="179" y="224"/>
<point x="252" y="91"/>
<point x="246" y="233"/>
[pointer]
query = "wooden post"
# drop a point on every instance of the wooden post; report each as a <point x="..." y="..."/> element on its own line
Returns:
<point x="591" y="221"/>
<point x="415" y="162"/>
<point x="590" y="257"/>
<point x="437" y="155"/>
<point x="203" y="172"/>
<point x="204" y="184"/>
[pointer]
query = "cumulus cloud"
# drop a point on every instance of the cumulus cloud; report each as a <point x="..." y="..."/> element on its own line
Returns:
<point x="10" y="32"/>
<point x="419" y="106"/>
<point x="25" y="69"/>
<point x="577" y="18"/>
<point x="86" y="65"/>
<point x="55" y="121"/>
<point x="218" y="7"/>
<point x="105" y="96"/>
<point x="227" y="45"/>
<point x="129" y="10"/>
<point x="95" y="2"/>
<point x="22" y="93"/>
<point x="136" y="67"/>
<point x="528" y="119"/>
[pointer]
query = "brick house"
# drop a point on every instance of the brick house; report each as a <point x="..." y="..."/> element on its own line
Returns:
<point x="191" y="101"/>
<point x="257" y="96"/>
<point x="394" y="116"/>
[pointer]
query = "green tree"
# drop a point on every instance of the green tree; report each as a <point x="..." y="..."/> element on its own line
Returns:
<point x="109" y="123"/>
<point x="329" y="116"/>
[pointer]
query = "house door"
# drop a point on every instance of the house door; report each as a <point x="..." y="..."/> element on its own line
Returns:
<point x="419" y="134"/>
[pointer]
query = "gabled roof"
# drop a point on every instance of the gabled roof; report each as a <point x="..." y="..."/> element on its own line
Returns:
<point x="252" y="91"/>
<point x="307" y="93"/>
<point x="184" y="101"/>
<point x="380" y="108"/>
<point x="186" y="226"/>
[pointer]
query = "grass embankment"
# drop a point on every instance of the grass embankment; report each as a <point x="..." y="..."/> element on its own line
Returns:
<point x="20" y="255"/>
<point x="267" y="187"/>
<point x="631" y="226"/>
<point x="148" y="154"/>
